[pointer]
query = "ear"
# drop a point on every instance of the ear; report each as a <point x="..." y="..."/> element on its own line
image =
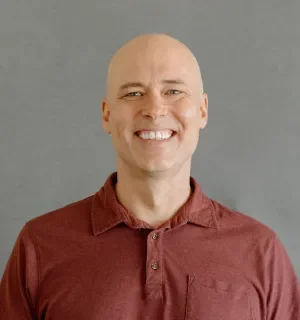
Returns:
<point x="106" y="116"/>
<point x="203" y="111"/>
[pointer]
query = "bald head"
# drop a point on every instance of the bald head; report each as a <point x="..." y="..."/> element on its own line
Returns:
<point x="145" y="57"/>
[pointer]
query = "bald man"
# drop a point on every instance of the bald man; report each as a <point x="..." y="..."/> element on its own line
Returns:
<point x="150" y="244"/>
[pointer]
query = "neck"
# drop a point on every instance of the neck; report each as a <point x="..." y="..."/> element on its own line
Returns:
<point x="153" y="198"/>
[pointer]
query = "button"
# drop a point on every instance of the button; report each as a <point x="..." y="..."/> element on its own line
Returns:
<point x="154" y="265"/>
<point x="154" y="236"/>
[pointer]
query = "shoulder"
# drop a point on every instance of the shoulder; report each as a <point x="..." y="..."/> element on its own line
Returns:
<point x="65" y="218"/>
<point x="241" y="223"/>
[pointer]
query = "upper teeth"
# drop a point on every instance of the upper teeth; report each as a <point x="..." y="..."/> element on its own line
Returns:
<point x="155" y="135"/>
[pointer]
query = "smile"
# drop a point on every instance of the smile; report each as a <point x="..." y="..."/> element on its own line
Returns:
<point x="155" y="135"/>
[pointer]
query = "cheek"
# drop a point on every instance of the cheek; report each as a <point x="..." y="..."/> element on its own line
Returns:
<point x="122" y="122"/>
<point x="188" y="115"/>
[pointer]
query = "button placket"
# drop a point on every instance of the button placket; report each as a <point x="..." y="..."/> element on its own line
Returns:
<point x="154" y="257"/>
<point x="155" y="264"/>
<point x="154" y="267"/>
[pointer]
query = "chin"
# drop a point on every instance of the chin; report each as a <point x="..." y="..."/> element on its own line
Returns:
<point x="155" y="167"/>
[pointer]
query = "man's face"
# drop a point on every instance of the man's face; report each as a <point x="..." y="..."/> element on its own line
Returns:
<point x="154" y="107"/>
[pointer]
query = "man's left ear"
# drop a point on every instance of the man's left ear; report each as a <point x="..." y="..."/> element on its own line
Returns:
<point x="203" y="111"/>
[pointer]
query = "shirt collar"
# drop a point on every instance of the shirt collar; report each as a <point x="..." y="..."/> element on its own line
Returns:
<point x="107" y="212"/>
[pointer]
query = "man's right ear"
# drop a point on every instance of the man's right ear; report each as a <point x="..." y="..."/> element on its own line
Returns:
<point x="105" y="117"/>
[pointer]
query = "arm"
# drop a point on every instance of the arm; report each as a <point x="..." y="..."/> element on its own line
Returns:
<point x="20" y="280"/>
<point x="282" y="286"/>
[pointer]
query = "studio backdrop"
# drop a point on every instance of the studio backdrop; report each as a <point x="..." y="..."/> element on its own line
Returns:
<point x="53" y="60"/>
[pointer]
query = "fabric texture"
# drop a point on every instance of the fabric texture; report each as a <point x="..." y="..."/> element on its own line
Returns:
<point x="93" y="259"/>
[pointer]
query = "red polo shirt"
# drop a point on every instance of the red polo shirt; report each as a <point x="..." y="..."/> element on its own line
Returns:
<point x="92" y="260"/>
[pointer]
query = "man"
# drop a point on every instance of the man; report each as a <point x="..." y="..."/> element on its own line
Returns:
<point x="150" y="244"/>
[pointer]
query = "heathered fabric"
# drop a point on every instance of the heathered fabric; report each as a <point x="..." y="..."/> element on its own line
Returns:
<point x="92" y="259"/>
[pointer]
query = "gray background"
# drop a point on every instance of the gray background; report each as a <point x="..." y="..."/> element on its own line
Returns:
<point x="53" y="59"/>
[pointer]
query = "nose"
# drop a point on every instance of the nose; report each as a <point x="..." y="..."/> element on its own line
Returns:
<point x="155" y="108"/>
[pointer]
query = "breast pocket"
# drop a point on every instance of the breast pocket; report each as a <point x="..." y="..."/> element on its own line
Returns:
<point x="212" y="299"/>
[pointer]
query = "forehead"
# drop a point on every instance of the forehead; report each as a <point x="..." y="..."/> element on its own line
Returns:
<point x="150" y="66"/>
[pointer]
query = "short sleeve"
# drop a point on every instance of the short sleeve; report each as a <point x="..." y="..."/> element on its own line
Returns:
<point x="282" y="290"/>
<point x="19" y="283"/>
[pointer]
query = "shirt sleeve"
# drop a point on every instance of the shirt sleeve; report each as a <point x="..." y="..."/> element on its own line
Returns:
<point x="20" y="280"/>
<point x="281" y="284"/>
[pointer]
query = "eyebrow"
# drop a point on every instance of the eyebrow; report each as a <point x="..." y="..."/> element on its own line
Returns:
<point x="140" y="84"/>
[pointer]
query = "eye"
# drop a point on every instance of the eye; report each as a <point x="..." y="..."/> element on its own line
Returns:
<point x="134" y="94"/>
<point x="173" y="91"/>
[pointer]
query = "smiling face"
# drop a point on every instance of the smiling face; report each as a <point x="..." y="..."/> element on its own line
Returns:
<point x="154" y="105"/>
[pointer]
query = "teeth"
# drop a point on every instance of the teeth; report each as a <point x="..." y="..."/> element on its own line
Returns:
<point x="155" y="135"/>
